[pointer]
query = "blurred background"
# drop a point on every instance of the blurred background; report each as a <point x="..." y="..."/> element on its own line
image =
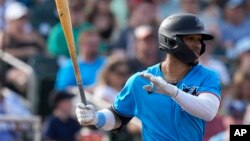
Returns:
<point x="114" y="39"/>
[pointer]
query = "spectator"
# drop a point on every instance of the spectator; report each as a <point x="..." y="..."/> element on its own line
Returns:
<point x="88" y="134"/>
<point x="90" y="63"/>
<point x="28" y="3"/>
<point x="166" y="7"/>
<point x="61" y="125"/>
<point x="3" y="5"/>
<point x="112" y="78"/>
<point x="44" y="16"/>
<point x="234" y="25"/>
<point x="145" y="48"/>
<point x="235" y="113"/>
<point x="56" y="43"/>
<point x="19" y="38"/>
<point x="210" y="61"/>
<point x="242" y="53"/>
<point x="21" y="41"/>
<point x="2" y="10"/>
<point x="145" y="13"/>
<point x="12" y="104"/>
<point x="241" y="89"/>
<point x="124" y="9"/>
<point x="212" y="14"/>
<point x="209" y="14"/>
<point x="104" y="20"/>
<point x="213" y="127"/>
<point x="120" y="10"/>
<point x="190" y="6"/>
<point x="248" y="6"/>
<point x="246" y="119"/>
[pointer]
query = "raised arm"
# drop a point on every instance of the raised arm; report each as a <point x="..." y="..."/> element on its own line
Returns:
<point x="204" y="106"/>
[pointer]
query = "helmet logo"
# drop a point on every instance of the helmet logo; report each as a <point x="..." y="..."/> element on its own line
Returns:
<point x="198" y="22"/>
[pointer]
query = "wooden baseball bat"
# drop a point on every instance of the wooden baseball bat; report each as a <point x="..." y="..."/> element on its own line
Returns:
<point x="64" y="15"/>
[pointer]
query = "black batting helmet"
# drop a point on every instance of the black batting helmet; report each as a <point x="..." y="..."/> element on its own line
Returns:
<point x="178" y="25"/>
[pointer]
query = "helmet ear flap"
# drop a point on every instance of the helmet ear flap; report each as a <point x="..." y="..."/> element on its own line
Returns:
<point x="172" y="43"/>
<point x="167" y="44"/>
<point x="163" y="44"/>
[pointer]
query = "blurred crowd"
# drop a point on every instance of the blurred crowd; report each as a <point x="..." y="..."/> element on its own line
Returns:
<point x="114" y="39"/>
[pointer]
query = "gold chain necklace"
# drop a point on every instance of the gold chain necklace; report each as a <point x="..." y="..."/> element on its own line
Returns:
<point x="180" y="77"/>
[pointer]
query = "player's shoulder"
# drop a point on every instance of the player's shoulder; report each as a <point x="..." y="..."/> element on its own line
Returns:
<point x="153" y="69"/>
<point x="204" y="71"/>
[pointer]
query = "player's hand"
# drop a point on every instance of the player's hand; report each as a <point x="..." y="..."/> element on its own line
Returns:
<point x="86" y="115"/>
<point x="159" y="85"/>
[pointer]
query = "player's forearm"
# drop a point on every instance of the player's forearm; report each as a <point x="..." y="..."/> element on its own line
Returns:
<point x="107" y="120"/>
<point x="204" y="106"/>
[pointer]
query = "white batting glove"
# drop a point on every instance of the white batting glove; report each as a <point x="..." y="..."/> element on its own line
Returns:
<point x="86" y="115"/>
<point x="159" y="85"/>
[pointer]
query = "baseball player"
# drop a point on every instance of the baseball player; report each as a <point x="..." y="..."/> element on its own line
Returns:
<point x="174" y="98"/>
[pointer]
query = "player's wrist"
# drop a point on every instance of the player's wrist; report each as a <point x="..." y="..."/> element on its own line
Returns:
<point x="105" y="120"/>
<point x="99" y="120"/>
<point x="176" y="93"/>
<point x="171" y="90"/>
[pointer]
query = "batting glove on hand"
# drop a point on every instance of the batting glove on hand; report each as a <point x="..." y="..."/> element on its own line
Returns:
<point x="159" y="85"/>
<point x="86" y="115"/>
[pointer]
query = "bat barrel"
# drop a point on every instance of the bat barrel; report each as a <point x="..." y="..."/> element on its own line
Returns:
<point x="64" y="15"/>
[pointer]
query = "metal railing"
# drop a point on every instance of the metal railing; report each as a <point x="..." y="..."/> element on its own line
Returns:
<point x="34" y="120"/>
<point x="27" y="69"/>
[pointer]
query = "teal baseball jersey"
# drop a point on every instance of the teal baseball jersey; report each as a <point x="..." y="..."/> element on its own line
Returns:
<point x="162" y="118"/>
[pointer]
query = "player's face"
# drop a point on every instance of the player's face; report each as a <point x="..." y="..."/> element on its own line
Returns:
<point x="89" y="45"/>
<point x="194" y="43"/>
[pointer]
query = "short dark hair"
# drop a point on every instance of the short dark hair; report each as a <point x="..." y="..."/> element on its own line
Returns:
<point x="58" y="96"/>
<point x="237" y="108"/>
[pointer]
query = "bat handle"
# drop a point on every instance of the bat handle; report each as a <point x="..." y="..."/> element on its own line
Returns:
<point x="82" y="94"/>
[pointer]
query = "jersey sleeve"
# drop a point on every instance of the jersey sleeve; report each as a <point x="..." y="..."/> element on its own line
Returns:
<point x="211" y="84"/>
<point x="124" y="103"/>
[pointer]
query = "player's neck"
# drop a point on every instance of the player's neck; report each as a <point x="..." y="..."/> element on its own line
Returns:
<point x="174" y="70"/>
